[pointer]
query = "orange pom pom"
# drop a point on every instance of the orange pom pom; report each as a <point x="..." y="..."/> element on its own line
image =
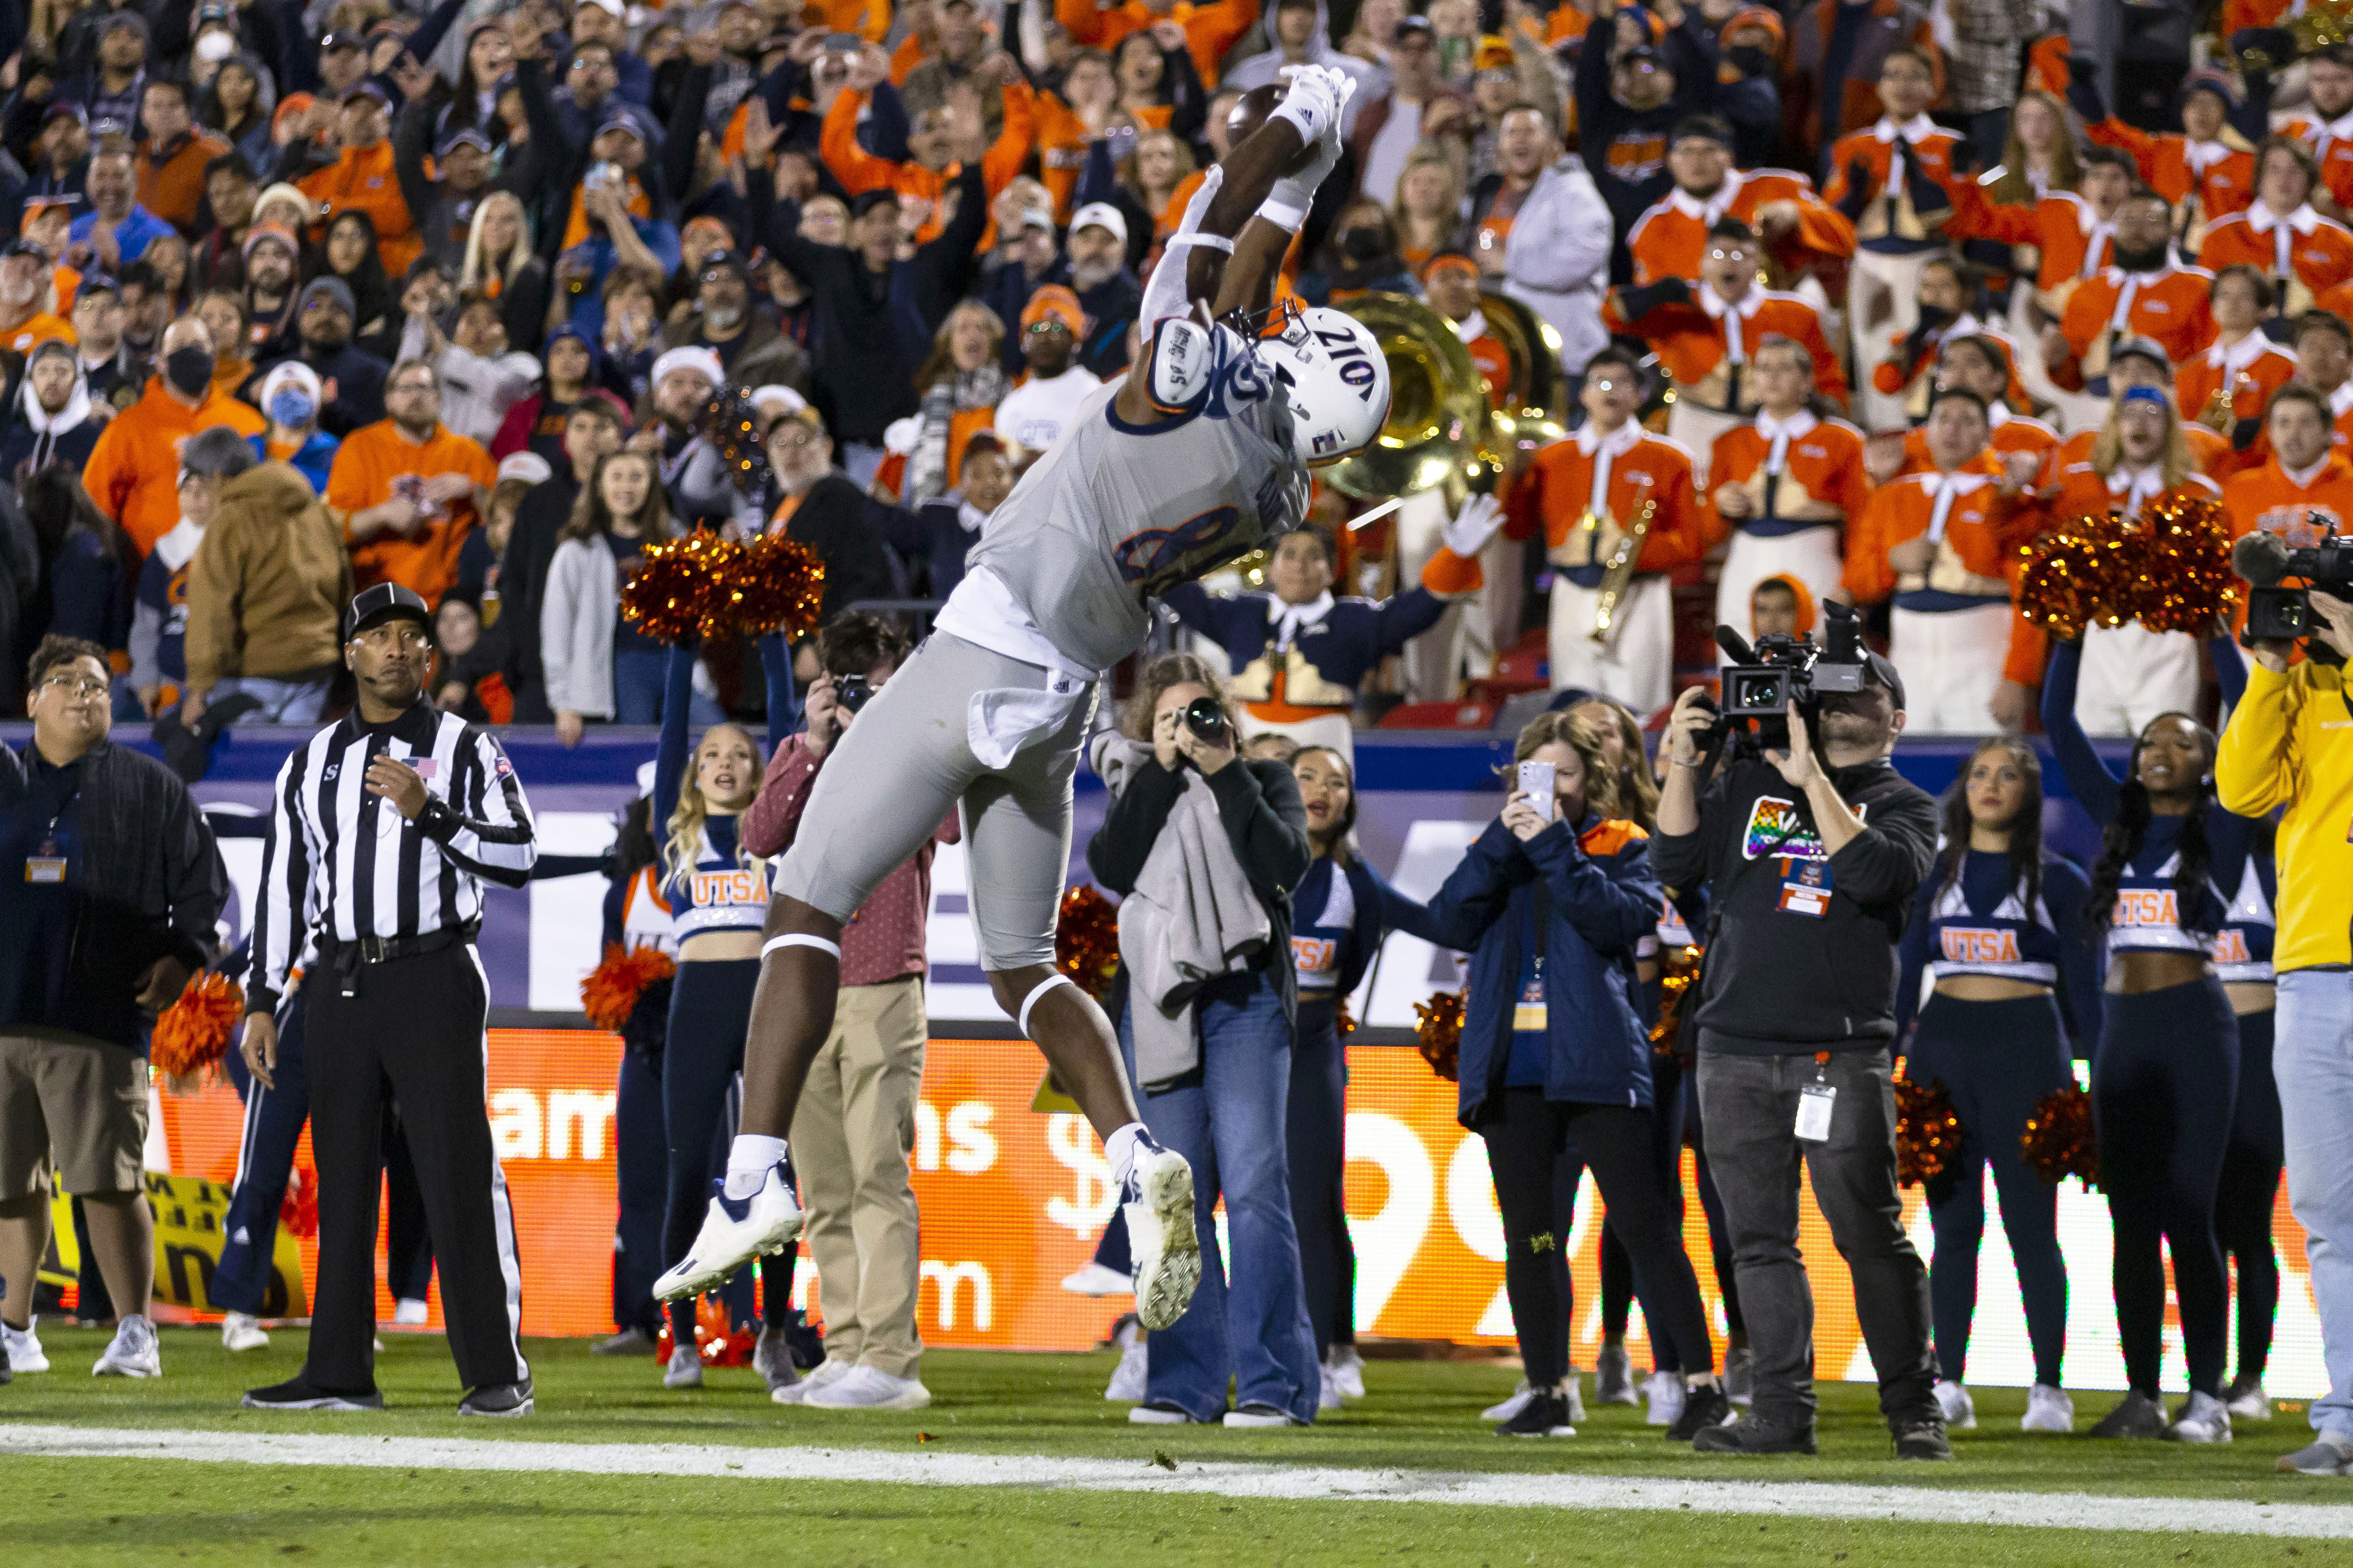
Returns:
<point x="1928" y="1131"/>
<point x="2184" y="581"/>
<point x="299" y="1210"/>
<point x="610" y="992"/>
<point x="193" y="1032"/>
<point x="2076" y="575"/>
<point x="2059" y="1141"/>
<point x="774" y="583"/>
<point x="1438" y="1025"/>
<point x="676" y="594"/>
<point x="1086" y="939"/>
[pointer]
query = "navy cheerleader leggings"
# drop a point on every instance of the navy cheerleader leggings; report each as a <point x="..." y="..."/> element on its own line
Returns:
<point x="1316" y="1127"/>
<point x="1996" y="1059"/>
<point x="2243" y="1205"/>
<point x="2162" y="1087"/>
<point x="710" y="1013"/>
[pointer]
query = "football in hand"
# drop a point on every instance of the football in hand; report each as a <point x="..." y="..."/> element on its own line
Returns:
<point x="1249" y="112"/>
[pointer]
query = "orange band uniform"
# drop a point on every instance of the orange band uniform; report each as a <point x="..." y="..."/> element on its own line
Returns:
<point x="1670" y="240"/>
<point x="1692" y="343"/>
<point x="1553" y="493"/>
<point x="1982" y="532"/>
<point x="1824" y="465"/>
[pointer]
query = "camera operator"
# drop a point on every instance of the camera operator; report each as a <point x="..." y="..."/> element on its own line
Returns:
<point x="855" y="1126"/>
<point x="2288" y="746"/>
<point x="1811" y="856"/>
<point x="1204" y="847"/>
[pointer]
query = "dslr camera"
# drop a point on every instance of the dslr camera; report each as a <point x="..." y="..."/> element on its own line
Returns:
<point x="853" y="692"/>
<point x="1762" y="681"/>
<point x="1207" y="720"/>
<point x="2262" y="559"/>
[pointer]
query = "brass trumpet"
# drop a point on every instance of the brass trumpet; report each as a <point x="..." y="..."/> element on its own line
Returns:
<point x="1617" y="575"/>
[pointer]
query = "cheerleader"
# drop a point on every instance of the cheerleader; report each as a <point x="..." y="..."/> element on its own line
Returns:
<point x="2165" y="1076"/>
<point x="2243" y="1205"/>
<point x="636" y="917"/>
<point x="1999" y="928"/>
<point x="1344" y="911"/>
<point x="718" y="899"/>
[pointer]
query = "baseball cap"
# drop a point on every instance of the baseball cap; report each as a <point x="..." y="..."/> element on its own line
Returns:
<point x="1643" y="53"/>
<point x="611" y="8"/>
<point x="386" y="602"/>
<point x="619" y="118"/>
<point x="1495" y="54"/>
<point x="1054" y="302"/>
<point x="463" y="136"/>
<point x="1883" y="672"/>
<point x="334" y="291"/>
<point x="48" y="346"/>
<point x="1758" y="16"/>
<point x="288" y="372"/>
<point x="1416" y="27"/>
<point x="1101" y="215"/>
<point x="868" y="200"/>
<point x="96" y="283"/>
<point x="723" y="261"/>
<point x="366" y="87"/>
<point x="529" y="467"/>
<point x="334" y="41"/>
<point x="1038" y="217"/>
<point x="278" y="232"/>
<point x="2140" y="348"/>
<point x="130" y="19"/>
<point x="60" y="110"/>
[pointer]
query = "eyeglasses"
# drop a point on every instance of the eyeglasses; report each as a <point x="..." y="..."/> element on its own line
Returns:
<point x="790" y="433"/>
<point x="411" y="387"/>
<point x="76" y="691"/>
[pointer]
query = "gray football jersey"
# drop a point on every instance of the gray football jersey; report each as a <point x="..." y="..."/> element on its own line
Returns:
<point x="1116" y="513"/>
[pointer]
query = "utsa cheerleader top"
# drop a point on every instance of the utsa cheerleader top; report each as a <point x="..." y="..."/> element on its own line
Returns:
<point x="1978" y="920"/>
<point x="723" y="891"/>
<point x="1342" y="916"/>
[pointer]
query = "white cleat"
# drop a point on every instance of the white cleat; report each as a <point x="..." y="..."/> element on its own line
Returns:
<point x="1161" y="1237"/>
<point x="870" y="1388"/>
<point x="1664" y="1392"/>
<point x="734" y="1231"/>
<point x="1347" y="1372"/>
<point x="1095" y="1279"/>
<point x="2048" y="1409"/>
<point x="408" y="1313"/>
<point x="827" y="1373"/>
<point x="1328" y="1396"/>
<point x="133" y="1354"/>
<point x="242" y="1331"/>
<point x="24" y="1353"/>
<point x="2204" y="1419"/>
<point x="1960" y="1410"/>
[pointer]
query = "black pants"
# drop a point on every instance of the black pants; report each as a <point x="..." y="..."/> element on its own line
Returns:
<point x="2162" y="1088"/>
<point x="1315" y="1122"/>
<point x="710" y="1013"/>
<point x="1528" y="1138"/>
<point x="1711" y="1203"/>
<point x="1622" y="1284"/>
<point x="641" y="1177"/>
<point x="415" y="1028"/>
<point x="1996" y="1059"/>
<point x="2243" y="1205"/>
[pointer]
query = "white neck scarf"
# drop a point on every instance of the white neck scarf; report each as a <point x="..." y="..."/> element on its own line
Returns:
<point x="1947" y="489"/>
<point x="1779" y="433"/>
<point x="1472" y="327"/>
<point x="1711" y="211"/>
<point x="1731" y="316"/>
<point x="1290" y="620"/>
<point x="1605" y="450"/>
<point x="2137" y="487"/>
<point x="1898" y="137"/>
<point x="2283" y="228"/>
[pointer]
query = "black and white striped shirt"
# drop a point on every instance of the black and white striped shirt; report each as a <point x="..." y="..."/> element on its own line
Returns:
<point x="350" y="858"/>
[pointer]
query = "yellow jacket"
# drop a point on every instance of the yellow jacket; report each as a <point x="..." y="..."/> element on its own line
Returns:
<point x="2290" y="744"/>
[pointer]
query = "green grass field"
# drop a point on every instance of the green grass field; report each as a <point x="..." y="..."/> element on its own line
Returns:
<point x="1419" y="1417"/>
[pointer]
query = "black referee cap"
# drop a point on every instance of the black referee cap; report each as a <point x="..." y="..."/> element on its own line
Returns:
<point x="382" y="603"/>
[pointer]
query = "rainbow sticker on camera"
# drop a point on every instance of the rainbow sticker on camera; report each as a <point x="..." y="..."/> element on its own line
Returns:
<point x="1805" y="888"/>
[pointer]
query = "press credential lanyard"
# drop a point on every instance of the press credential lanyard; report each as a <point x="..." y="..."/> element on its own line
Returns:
<point x="1814" y="1102"/>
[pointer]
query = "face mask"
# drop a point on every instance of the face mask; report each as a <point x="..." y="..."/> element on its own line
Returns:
<point x="292" y="407"/>
<point x="215" y="47"/>
<point x="190" y="369"/>
<point x="1749" y="61"/>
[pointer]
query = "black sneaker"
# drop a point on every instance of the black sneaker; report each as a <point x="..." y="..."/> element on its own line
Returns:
<point x="297" y="1394"/>
<point x="2137" y="1416"/>
<point x="1755" y="1434"/>
<point x="1922" y="1440"/>
<point x="1703" y="1408"/>
<point x="1545" y="1414"/>
<point x="498" y="1399"/>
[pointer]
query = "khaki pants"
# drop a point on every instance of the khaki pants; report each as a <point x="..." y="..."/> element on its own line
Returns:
<point x="1951" y="663"/>
<point x="1882" y="301"/>
<point x="1637" y="667"/>
<point x="2132" y="674"/>
<point x="852" y="1139"/>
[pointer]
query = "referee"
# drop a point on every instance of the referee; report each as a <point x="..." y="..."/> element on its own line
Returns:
<point x="383" y="830"/>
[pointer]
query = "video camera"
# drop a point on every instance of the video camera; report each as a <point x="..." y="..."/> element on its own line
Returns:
<point x="1765" y="679"/>
<point x="2261" y="558"/>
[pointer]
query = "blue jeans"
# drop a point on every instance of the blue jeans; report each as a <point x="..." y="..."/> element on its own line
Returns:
<point x="2313" y="1060"/>
<point x="638" y="681"/>
<point x="1230" y="1126"/>
<point x="283" y="701"/>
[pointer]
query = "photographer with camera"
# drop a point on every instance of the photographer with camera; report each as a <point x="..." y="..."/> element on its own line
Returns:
<point x="2288" y="748"/>
<point x="1811" y="853"/>
<point x="854" y="1127"/>
<point x="1205" y="848"/>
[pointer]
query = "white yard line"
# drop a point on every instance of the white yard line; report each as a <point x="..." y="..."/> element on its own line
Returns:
<point x="1806" y="1500"/>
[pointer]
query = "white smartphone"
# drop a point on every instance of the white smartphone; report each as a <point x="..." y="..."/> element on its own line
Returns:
<point x="1536" y="784"/>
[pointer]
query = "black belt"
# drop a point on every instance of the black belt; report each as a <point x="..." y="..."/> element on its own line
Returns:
<point x="346" y="957"/>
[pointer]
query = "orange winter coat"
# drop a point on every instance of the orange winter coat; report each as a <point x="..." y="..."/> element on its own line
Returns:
<point x="363" y="178"/>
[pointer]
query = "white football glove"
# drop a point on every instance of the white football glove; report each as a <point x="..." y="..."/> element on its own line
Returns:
<point x="1299" y="190"/>
<point x="1474" y="525"/>
<point x="1312" y="103"/>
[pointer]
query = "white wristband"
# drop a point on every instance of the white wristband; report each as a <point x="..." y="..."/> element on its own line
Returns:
<point x="1283" y="214"/>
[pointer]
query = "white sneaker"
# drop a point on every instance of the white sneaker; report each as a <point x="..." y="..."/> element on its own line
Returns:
<point x="831" y="1371"/>
<point x="870" y="1388"/>
<point x="1160" y="1416"/>
<point x="1960" y="1410"/>
<point x="2247" y="1401"/>
<point x="1572" y="1396"/>
<point x="2048" y="1409"/>
<point x="133" y="1354"/>
<point x="24" y="1353"/>
<point x="1130" y="1378"/>
<point x="408" y="1313"/>
<point x="1664" y="1392"/>
<point x="1328" y="1396"/>
<point x="733" y="1233"/>
<point x="1259" y="1415"/>
<point x="1505" y="1409"/>
<point x="685" y="1369"/>
<point x="1095" y="1279"/>
<point x="1347" y="1372"/>
<point x="242" y="1331"/>
<point x="2205" y="1419"/>
<point x="1160" y="1236"/>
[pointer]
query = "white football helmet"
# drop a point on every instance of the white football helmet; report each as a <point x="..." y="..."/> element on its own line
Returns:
<point x="1332" y="372"/>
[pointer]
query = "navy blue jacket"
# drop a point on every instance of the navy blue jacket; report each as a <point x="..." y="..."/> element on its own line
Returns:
<point x="1604" y="901"/>
<point x="1341" y="649"/>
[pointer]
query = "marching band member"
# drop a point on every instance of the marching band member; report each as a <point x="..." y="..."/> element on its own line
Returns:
<point x="1798" y="229"/>
<point x="2280" y="233"/>
<point x="2225" y="389"/>
<point x="2208" y="172"/>
<point x="2145" y="294"/>
<point x="2134" y="361"/>
<point x="1784" y="485"/>
<point x="2075" y="233"/>
<point x="1610" y="489"/>
<point x="1983" y="364"/>
<point x="1949" y="292"/>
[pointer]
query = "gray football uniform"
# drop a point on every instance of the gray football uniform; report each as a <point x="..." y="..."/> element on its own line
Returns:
<point x="1115" y="512"/>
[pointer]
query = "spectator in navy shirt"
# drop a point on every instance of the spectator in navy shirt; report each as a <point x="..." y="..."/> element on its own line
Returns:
<point x="116" y="231"/>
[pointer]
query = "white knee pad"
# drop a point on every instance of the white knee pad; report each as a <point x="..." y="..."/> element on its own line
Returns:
<point x="1030" y="1001"/>
<point x="795" y="938"/>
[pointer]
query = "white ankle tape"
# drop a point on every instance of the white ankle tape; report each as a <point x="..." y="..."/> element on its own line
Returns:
<point x="794" y="939"/>
<point x="1030" y="1001"/>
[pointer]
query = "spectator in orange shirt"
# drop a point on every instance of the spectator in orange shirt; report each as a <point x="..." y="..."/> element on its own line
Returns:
<point x="2324" y="361"/>
<point x="409" y="489"/>
<point x="935" y="157"/>
<point x="2305" y="492"/>
<point x="363" y="176"/>
<point x="1207" y="32"/>
<point x="1941" y="543"/>
<point x="172" y="160"/>
<point x="134" y="472"/>
<point x="25" y="290"/>
<point x="1158" y="85"/>
<point x="1784" y="485"/>
<point x="2225" y="389"/>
